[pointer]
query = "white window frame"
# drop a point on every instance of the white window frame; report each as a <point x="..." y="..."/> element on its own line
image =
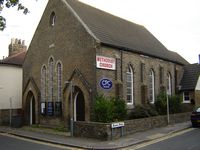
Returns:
<point x="151" y="86"/>
<point x="129" y="75"/>
<point x="186" y="101"/>
<point x="169" y="84"/>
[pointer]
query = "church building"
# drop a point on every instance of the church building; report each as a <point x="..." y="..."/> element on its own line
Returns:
<point x="79" y="51"/>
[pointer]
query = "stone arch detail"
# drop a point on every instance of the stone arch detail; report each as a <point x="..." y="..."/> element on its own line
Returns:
<point x="31" y="89"/>
<point x="79" y="82"/>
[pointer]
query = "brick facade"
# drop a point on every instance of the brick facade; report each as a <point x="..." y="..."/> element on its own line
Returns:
<point x="69" y="42"/>
<point x="125" y="58"/>
<point x="66" y="42"/>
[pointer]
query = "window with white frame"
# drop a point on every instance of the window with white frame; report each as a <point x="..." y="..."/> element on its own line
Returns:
<point x="186" y="97"/>
<point x="51" y="66"/>
<point x="59" y="81"/>
<point x="169" y="84"/>
<point x="151" y="89"/>
<point x="129" y="84"/>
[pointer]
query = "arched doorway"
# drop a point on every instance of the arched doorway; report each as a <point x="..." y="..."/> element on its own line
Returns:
<point x="79" y="105"/>
<point x="30" y="108"/>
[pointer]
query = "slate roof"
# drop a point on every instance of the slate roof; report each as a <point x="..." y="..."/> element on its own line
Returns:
<point x="16" y="59"/>
<point x="190" y="77"/>
<point x="113" y="31"/>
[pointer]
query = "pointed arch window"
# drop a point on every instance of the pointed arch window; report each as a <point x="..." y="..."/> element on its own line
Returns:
<point x="51" y="66"/>
<point x="169" y="84"/>
<point x="59" y="81"/>
<point x="52" y="19"/>
<point x="129" y="84"/>
<point x="151" y="87"/>
<point x="43" y="84"/>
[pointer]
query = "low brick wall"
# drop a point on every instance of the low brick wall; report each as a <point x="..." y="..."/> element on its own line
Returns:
<point x="103" y="131"/>
<point x="92" y="130"/>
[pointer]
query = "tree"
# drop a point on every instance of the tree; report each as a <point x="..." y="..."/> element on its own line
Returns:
<point x="9" y="4"/>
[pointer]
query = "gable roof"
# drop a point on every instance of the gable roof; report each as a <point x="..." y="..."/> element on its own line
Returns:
<point x="119" y="33"/>
<point x="16" y="59"/>
<point x="190" y="77"/>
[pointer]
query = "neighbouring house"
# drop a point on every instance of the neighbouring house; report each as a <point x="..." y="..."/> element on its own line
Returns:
<point x="11" y="81"/>
<point x="79" y="51"/>
<point x="190" y="84"/>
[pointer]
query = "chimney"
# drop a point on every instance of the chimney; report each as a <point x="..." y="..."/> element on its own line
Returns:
<point x="23" y="42"/>
<point x="16" y="46"/>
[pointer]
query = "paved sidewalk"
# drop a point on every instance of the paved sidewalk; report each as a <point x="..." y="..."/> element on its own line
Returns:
<point x="63" y="138"/>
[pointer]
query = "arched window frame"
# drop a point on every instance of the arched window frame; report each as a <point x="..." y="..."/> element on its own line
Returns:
<point x="43" y="83"/>
<point x="169" y="84"/>
<point x="51" y="78"/>
<point x="52" y="19"/>
<point x="151" y="86"/>
<point x="129" y="86"/>
<point x="59" y="81"/>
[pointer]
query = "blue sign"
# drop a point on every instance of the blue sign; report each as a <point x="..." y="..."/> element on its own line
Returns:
<point x="106" y="84"/>
<point x="50" y="108"/>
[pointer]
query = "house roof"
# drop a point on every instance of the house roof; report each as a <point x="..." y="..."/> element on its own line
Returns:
<point x="190" y="77"/>
<point x="16" y="59"/>
<point x="113" y="31"/>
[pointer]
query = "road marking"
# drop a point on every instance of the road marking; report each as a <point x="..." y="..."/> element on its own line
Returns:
<point x="40" y="142"/>
<point x="138" y="146"/>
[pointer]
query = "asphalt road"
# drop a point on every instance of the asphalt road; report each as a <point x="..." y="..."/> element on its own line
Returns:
<point x="187" y="141"/>
<point x="9" y="142"/>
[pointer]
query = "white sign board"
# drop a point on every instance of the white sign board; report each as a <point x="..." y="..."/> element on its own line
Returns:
<point x="117" y="124"/>
<point x="106" y="62"/>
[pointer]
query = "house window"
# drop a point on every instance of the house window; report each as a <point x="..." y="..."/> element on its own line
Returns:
<point x="186" y="97"/>
<point x="169" y="84"/>
<point x="59" y="82"/>
<point x="151" y="87"/>
<point x="52" y="19"/>
<point x="51" y="66"/>
<point x="129" y="83"/>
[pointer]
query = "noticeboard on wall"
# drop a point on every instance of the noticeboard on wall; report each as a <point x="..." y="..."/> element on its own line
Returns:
<point x="50" y="108"/>
<point x="43" y="108"/>
<point x="58" y="108"/>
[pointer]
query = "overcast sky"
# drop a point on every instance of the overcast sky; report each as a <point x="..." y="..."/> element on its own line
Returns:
<point x="175" y="23"/>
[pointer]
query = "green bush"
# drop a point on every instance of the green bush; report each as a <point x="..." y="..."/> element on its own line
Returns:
<point x="151" y="110"/>
<point x="103" y="109"/>
<point x="109" y="109"/>
<point x="138" y="112"/>
<point x="143" y="111"/>
<point x="161" y="103"/>
<point x="120" y="109"/>
<point x="175" y="103"/>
